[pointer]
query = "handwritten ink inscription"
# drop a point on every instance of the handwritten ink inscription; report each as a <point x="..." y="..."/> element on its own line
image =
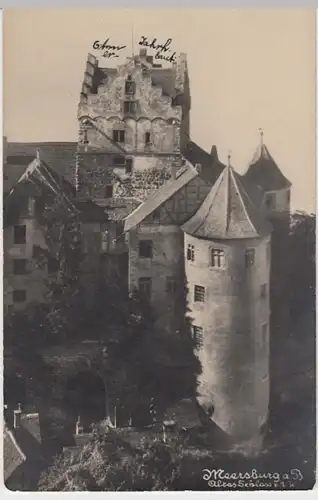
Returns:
<point x="163" y="50"/>
<point x="108" y="49"/>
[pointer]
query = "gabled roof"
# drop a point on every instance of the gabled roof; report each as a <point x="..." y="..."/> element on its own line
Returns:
<point x="13" y="456"/>
<point x="159" y="197"/>
<point x="264" y="171"/>
<point x="61" y="156"/>
<point x="227" y="212"/>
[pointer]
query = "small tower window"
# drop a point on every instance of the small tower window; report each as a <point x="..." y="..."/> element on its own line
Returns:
<point x="19" y="266"/>
<point x="263" y="291"/>
<point x="145" y="249"/>
<point x="217" y="257"/>
<point x="144" y="286"/>
<point x="130" y="86"/>
<point x="171" y="285"/>
<point x="288" y="196"/>
<point x="19" y="295"/>
<point x="190" y="253"/>
<point x="119" y="136"/>
<point x="53" y="265"/>
<point x="249" y="257"/>
<point x="268" y="251"/>
<point x="264" y="339"/>
<point x="109" y="191"/>
<point x="197" y="332"/>
<point x="147" y="138"/>
<point x="19" y="235"/>
<point x="199" y="293"/>
<point x="270" y="201"/>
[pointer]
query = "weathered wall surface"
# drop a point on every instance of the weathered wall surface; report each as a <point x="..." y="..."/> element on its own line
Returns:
<point x="234" y="357"/>
<point x="165" y="263"/>
<point x="34" y="279"/>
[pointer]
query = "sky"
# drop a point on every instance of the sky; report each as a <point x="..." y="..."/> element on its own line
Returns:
<point x="249" y="69"/>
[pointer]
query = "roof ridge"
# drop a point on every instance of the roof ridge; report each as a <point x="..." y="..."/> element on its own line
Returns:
<point x="239" y="186"/>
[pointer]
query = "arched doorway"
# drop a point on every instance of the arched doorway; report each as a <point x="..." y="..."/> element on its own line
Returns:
<point x="85" y="397"/>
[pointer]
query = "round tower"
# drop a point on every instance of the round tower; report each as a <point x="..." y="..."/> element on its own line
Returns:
<point x="227" y="265"/>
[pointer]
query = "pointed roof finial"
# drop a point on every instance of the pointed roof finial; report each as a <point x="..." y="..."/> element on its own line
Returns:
<point x="261" y="131"/>
<point x="229" y="157"/>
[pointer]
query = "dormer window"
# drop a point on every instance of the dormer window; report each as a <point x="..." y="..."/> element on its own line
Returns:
<point x="130" y="86"/>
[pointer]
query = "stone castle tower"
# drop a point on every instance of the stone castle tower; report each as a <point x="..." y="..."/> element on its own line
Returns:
<point x="133" y="118"/>
<point x="228" y="281"/>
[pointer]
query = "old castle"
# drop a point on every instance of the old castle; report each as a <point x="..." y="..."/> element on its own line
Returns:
<point x="145" y="194"/>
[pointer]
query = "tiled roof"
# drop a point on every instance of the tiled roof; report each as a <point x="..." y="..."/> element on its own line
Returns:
<point x="263" y="171"/>
<point x="227" y="212"/>
<point x="160" y="196"/>
<point x="61" y="156"/>
<point x="211" y="167"/>
<point x="13" y="456"/>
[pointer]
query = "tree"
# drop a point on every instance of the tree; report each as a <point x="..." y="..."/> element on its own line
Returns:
<point x="110" y="463"/>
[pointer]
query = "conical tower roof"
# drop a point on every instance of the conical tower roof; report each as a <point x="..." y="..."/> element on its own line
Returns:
<point x="264" y="171"/>
<point x="227" y="212"/>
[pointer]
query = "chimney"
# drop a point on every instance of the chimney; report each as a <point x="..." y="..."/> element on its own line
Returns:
<point x="17" y="416"/>
<point x="38" y="155"/>
<point x="143" y="53"/>
<point x="198" y="167"/>
<point x="5" y="149"/>
<point x="214" y="153"/>
<point x="79" y="429"/>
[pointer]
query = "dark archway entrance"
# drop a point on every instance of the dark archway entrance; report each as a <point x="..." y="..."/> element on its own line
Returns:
<point x="85" y="397"/>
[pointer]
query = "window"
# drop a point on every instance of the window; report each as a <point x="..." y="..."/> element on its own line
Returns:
<point x="118" y="135"/>
<point x="264" y="336"/>
<point x="129" y="107"/>
<point x="53" y="265"/>
<point x="249" y="257"/>
<point x="128" y="165"/>
<point x="288" y="196"/>
<point x="147" y="138"/>
<point x="119" y="160"/>
<point x="217" y="257"/>
<point x="145" y="249"/>
<point x="190" y="253"/>
<point x="268" y="251"/>
<point x="171" y="285"/>
<point x="270" y="201"/>
<point x="156" y="215"/>
<point x="145" y="286"/>
<point x="263" y="291"/>
<point x="19" y="266"/>
<point x="130" y="86"/>
<point x="19" y="295"/>
<point x="197" y="335"/>
<point x="19" y="235"/>
<point x="109" y="191"/>
<point x="199" y="293"/>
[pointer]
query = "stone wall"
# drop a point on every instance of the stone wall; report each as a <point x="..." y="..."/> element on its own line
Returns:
<point x="234" y="357"/>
